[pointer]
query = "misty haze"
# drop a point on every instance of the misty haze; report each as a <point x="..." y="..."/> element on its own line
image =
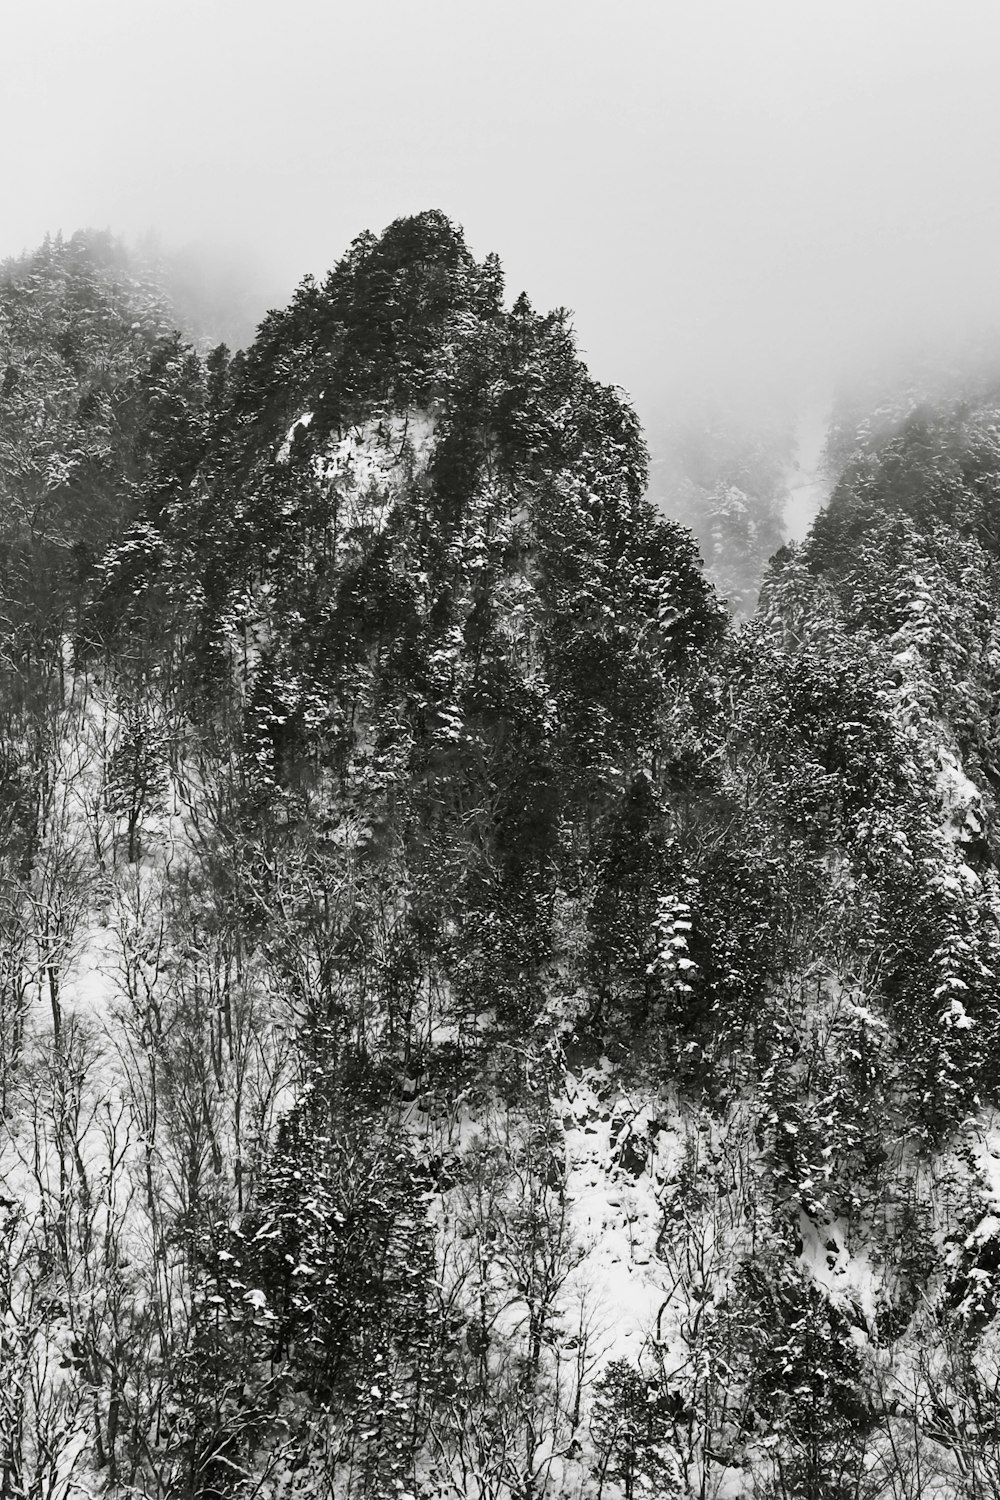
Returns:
<point x="500" y="751"/>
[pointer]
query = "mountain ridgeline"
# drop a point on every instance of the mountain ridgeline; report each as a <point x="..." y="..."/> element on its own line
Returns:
<point x="473" y="1020"/>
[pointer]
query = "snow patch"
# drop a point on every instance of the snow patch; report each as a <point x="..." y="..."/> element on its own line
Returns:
<point x="299" y="425"/>
<point x="961" y="799"/>
<point x="366" y="469"/>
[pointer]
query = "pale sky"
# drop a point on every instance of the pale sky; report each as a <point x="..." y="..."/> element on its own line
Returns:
<point x="730" y="194"/>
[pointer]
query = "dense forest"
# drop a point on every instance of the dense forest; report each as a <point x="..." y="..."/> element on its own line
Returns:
<point x="476" y="1020"/>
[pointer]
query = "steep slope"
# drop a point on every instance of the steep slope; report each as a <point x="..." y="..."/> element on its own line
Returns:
<point x="388" y="656"/>
<point x="471" y="1022"/>
<point x="904" y="564"/>
<point x="425" y="575"/>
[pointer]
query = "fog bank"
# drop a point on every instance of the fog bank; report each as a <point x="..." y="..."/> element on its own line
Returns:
<point x="746" y="203"/>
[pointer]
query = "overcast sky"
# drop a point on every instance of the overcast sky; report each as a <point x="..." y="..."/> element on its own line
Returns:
<point x="729" y="194"/>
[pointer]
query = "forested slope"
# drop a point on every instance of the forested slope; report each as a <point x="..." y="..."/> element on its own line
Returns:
<point x="472" y="1022"/>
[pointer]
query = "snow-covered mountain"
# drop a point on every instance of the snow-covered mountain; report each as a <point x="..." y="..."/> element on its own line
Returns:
<point x="472" y="1021"/>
